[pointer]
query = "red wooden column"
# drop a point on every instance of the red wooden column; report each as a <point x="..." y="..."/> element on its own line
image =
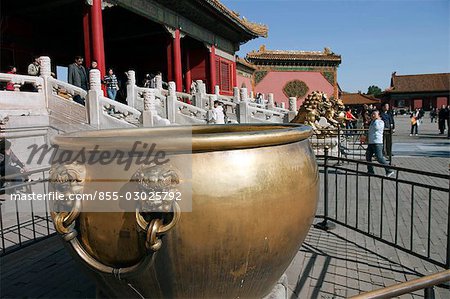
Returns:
<point x="177" y="61"/>
<point x="98" y="48"/>
<point x="187" y="75"/>
<point x="233" y="75"/>
<point x="87" y="36"/>
<point x="212" y="69"/>
<point x="170" y="59"/>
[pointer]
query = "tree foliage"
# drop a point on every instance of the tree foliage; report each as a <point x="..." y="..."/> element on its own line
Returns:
<point x="374" y="90"/>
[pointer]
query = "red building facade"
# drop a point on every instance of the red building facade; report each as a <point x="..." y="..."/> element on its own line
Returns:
<point x="184" y="40"/>
<point x="294" y="73"/>
<point x="419" y="91"/>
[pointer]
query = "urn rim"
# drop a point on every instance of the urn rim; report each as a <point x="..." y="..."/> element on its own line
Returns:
<point x="195" y="138"/>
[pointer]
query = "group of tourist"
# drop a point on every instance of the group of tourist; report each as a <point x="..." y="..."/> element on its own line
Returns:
<point x="78" y="76"/>
<point x="384" y="119"/>
<point x="360" y="118"/>
<point x="34" y="69"/>
<point x="442" y="115"/>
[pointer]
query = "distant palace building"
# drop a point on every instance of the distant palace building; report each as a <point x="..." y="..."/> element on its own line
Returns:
<point x="290" y="73"/>
<point x="419" y="91"/>
<point x="358" y="99"/>
<point x="185" y="40"/>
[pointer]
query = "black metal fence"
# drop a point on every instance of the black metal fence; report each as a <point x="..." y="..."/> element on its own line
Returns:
<point x="347" y="143"/>
<point x="24" y="221"/>
<point x="409" y="211"/>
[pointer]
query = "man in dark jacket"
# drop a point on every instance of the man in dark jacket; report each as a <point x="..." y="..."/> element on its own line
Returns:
<point x="389" y="123"/>
<point x="77" y="74"/>
<point x="442" y="117"/>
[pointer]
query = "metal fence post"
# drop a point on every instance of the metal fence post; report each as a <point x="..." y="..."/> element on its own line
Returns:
<point x="428" y="293"/>
<point x="325" y="225"/>
<point x="448" y="233"/>
<point x="340" y="147"/>
<point x="390" y="145"/>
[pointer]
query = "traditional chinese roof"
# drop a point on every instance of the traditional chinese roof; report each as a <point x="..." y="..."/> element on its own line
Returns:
<point x="245" y="64"/>
<point x="254" y="28"/>
<point x="289" y="55"/>
<point x="419" y="83"/>
<point x="358" y="99"/>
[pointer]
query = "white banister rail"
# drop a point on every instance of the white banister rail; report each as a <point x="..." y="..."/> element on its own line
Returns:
<point x="20" y="80"/>
<point x="64" y="90"/>
<point x="112" y="108"/>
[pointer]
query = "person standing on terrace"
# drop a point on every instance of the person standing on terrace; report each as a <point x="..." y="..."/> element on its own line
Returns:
<point x="10" y="85"/>
<point x="34" y="68"/>
<point x="375" y="145"/>
<point x="112" y="85"/>
<point x="77" y="74"/>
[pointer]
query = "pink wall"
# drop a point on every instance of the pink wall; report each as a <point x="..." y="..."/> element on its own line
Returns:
<point x="274" y="82"/>
<point x="247" y="81"/>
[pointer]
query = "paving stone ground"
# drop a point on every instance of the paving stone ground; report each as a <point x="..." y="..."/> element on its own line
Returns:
<point x="334" y="264"/>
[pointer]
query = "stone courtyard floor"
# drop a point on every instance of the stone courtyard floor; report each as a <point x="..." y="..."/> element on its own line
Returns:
<point x="334" y="264"/>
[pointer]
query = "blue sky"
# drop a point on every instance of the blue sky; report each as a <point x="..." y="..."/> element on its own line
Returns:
<point x="375" y="38"/>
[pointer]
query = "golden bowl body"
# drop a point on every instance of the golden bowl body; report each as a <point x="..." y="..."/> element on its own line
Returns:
<point x="254" y="196"/>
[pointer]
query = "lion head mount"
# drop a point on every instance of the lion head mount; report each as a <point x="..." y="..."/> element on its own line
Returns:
<point x="68" y="178"/>
<point x="157" y="182"/>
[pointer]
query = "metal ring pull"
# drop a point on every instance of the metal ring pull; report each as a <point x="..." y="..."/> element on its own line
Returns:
<point x="143" y="224"/>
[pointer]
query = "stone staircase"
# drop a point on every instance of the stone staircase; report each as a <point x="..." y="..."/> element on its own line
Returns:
<point x="146" y="107"/>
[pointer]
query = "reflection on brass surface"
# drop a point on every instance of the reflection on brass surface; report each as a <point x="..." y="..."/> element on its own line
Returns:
<point x="254" y="196"/>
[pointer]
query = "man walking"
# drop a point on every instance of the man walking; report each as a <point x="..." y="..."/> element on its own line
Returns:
<point x="442" y="117"/>
<point x="389" y="123"/>
<point x="375" y="145"/>
<point x="77" y="74"/>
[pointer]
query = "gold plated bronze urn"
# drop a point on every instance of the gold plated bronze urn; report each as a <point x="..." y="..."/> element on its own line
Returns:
<point x="243" y="199"/>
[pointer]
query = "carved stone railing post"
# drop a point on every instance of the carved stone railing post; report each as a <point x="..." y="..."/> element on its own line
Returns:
<point x="171" y="102"/>
<point x="243" y="113"/>
<point x="244" y="94"/>
<point x="211" y="99"/>
<point x="271" y="102"/>
<point x="46" y="67"/>
<point x="293" y="104"/>
<point x="252" y="95"/>
<point x="283" y="105"/>
<point x="131" y="87"/>
<point x="158" y="79"/>
<point x="217" y="90"/>
<point x="149" y="111"/>
<point x="94" y="80"/>
<point x="200" y="94"/>
<point x="236" y="97"/>
<point x="92" y="101"/>
<point x="292" y="109"/>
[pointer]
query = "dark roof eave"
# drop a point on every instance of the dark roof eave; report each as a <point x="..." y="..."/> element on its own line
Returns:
<point x="250" y="34"/>
<point x="417" y="91"/>
<point x="337" y="60"/>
